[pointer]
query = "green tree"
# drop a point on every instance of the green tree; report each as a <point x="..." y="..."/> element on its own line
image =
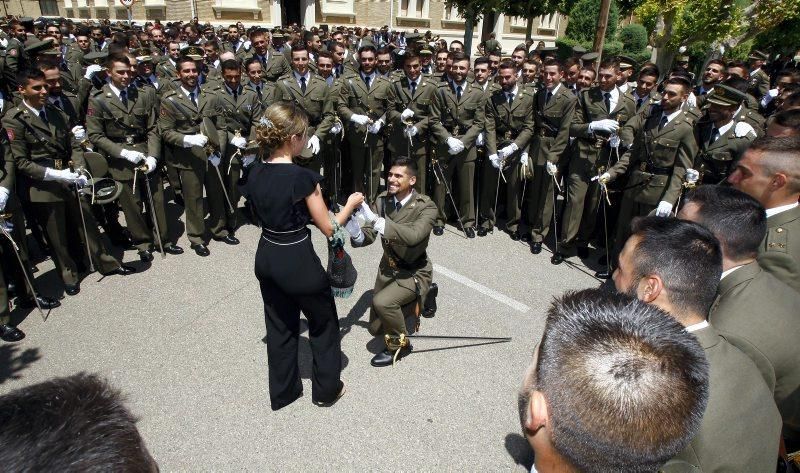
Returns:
<point x="532" y="9"/>
<point x="634" y="37"/>
<point x="583" y="20"/>
<point x="471" y="11"/>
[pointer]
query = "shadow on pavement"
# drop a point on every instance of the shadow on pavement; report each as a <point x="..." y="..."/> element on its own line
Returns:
<point x="13" y="361"/>
<point x="520" y="450"/>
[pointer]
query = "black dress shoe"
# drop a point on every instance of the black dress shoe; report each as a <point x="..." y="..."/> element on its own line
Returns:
<point x="173" y="249"/>
<point x="201" y="250"/>
<point x="438" y="230"/>
<point x="583" y="252"/>
<point x="227" y="239"/>
<point x="526" y="237"/>
<point x="11" y="334"/>
<point x="557" y="258"/>
<point x="514" y="235"/>
<point x="72" y="289"/>
<point x="470" y="232"/>
<point x="429" y="308"/>
<point x="604" y="274"/>
<point x="386" y="357"/>
<point x="536" y="247"/>
<point x="45" y="303"/>
<point x="482" y="232"/>
<point x="123" y="270"/>
<point x="145" y="256"/>
<point x="120" y="238"/>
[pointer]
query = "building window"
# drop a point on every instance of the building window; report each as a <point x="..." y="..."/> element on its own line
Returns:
<point x="48" y="7"/>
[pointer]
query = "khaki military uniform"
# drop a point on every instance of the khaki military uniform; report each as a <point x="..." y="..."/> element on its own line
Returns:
<point x="780" y="251"/>
<point x="425" y="106"/>
<point x="753" y="118"/>
<point x="759" y="83"/>
<point x="15" y="57"/>
<point x="333" y="147"/>
<point x="274" y="64"/>
<point x="366" y="149"/>
<point x="761" y="312"/>
<point x="741" y="425"/>
<point x="405" y="272"/>
<point x="715" y="160"/>
<point x="180" y="117"/>
<point x="166" y="70"/>
<point x="463" y="118"/>
<point x="592" y="156"/>
<point x="657" y="161"/>
<point x="265" y="91"/>
<point x="36" y="145"/>
<point x="241" y="115"/>
<point x="553" y="118"/>
<point x="505" y="123"/>
<point x="113" y="127"/>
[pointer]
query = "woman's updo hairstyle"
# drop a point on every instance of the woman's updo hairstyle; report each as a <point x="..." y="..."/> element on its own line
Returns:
<point x="279" y="123"/>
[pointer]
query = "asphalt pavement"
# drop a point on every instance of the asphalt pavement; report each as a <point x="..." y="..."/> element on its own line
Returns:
<point x="183" y="340"/>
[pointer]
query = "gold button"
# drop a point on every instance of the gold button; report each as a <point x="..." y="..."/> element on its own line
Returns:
<point x="779" y="230"/>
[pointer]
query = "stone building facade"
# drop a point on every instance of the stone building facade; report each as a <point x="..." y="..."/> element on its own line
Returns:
<point x="406" y="15"/>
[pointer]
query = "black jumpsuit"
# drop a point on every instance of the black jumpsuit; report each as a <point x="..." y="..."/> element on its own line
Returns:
<point x="292" y="280"/>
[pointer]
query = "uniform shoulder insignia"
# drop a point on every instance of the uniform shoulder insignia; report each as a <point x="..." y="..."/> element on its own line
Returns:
<point x="96" y="92"/>
<point x="743" y="129"/>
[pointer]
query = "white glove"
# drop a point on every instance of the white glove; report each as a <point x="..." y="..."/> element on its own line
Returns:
<point x="692" y="100"/>
<point x="61" y="175"/>
<point x="551" y="168"/>
<point x="456" y="146"/>
<point x="4" y="42"/>
<point x="523" y="165"/>
<point x="407" y="113"/>
<point x="215" y="159"/>
<point x="194" y="140"/>
<point x="608" y="125"/>
<point x="367" y="213"/>
<point x="479" y="141"/>
<point x="79" y="133"/>
<point x="336" y="128"/>
<point x="614" y="141"/>
<point x="508" y="150"/>
<point x="692" y="176"/>
<point x="353" y="228"/>
<point x="248" y="160"/>
<point x="132" y="155"/>
<point x="359" y="119"/>
<point x="246" y="44"/>
<point x="496" y="160"/>
<point x="151" y="164"/>
<point x="411" y="131"/>
<point x="375" y="128"/>
<point x="92" y="70"/>
<point x="743" y="129"/>
<point x="313" y="144"/>
<point x="4" y="194"/>
<point x="239" y="141"/>
<point x="604" y="178"/>
<point x="664" y="209"/>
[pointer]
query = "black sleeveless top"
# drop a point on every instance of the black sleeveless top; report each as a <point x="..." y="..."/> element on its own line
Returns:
<point x="277" y="192"/>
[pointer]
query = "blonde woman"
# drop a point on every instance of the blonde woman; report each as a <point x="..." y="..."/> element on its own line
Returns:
<point x="284" y="199"/>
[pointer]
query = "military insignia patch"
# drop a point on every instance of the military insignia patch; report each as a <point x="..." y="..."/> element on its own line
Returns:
<point x="89" y="112"/>
<point x="164" y="112"/>
<point x="13" y="52"/>
<point x="10" y="134"/>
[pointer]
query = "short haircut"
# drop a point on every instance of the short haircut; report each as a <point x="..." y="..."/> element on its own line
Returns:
<point x="78" y="423"/>
<point x="483" y="60"/>
<point x="553" y="62"/>
<point x="213" y="43"/>
<point x="685" y="255"/>
<point x="251" y="61"/>
<point x="736" y="82"/>
<point x="383" y="50"/>
<point x="737" y="64"/>
<point x="571" y="61"/>
<point x="457" y="56"/>
<point x="117" y="58"/>
<point x="406" y="162"/>
<point x="333" y="45"/>
<point x="684" y="83"/>
<point x="455" y="41"/>
<point x="718" y="62"/>
<point x="651" y="71"/>
<point x="410" y="56"/>
<point x="299" y="47"/>
<point x="230" y="65"/>
<point x="325" y="55"/>
<point x="591" y="70"/>
<point x="780" y="155"/>
<point x="791" y="73"/>
<point x="626" y="386"/>
<point x="367" y="48"/>
<point x="610" y="63"/>
<point x="27" y="75"/>
<point x="788" y="119"/>
<point x="522" y="48"/>
<point x="737" y="220"/>
<point x="184" y="59"/>
<point x="506" y="64"/>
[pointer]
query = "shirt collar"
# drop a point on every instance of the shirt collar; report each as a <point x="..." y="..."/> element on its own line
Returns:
<point x="196" y="92"/>
<point x="463" y="85"/>
<point x="114" y="89"/>
<point x="672" y="115"/>
<point x="404" y="201"/>
<point x="555" y="89"/>
<point x="34" y="110"/>
<point x="516" y="89"/>
<point x="724" y="128"/>
<point x="298" y="76"/>
<point x="697" y="326"/>
<point x="371" y="76"/>
<point x="230" y="91"/>
<point x="782" y="208"/>
<point x="50" y="99"/>
<point x="727" y="272"/>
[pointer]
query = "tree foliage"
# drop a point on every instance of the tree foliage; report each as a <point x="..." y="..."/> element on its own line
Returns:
<point x="583" y="20"/>
<point x="633" y="37"/>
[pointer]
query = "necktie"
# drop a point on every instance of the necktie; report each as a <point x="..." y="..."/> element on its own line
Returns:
<point x="458" y="92"/>
<point x="235" y="95"/>
<point x="548" y="97"/>
<point x="43" y="116"/>
<point x="367" y="80"/>
<point x="397" y="205"/>
<point x="607" y="100"/>
<point x="258" y="91"/>
<point x="638" y="103"/>
<point x="413" y="87"/>
<point x="264" y="61"/>
<point x="303" y="84"/>
<point x="57" y="103"/>
<point x="510" y="99"/>
<point x="714" y="135"/>
<point x="662" y="123"/>
<point x="123" y="95"/>
<point x="192" y="98"/>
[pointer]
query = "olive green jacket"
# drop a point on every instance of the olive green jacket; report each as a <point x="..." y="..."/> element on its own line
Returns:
<point x="317" y="101"/>
<point x="179" y="117"/>
<point x="780" y="251"/>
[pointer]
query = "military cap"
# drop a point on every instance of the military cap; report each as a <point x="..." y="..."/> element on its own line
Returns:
<point x="26" y="19"/>
<point x="425" y="52"/>
<point x="625" y="62"/>
<point x="756" y="54"/>
<point x="590" y="57"/>
<point x="36" y="46"/>
<point x="366" y="42"/>
<point x="412" y="37"/>
<point x="726" y="95"/>
<point x="578" y="50"/>
<point x="193" y="52"/>
<point x="143" y="54"/>
<point x="682" y="58"/>
<point x="521" y="45"/>
<point x="96" y="57"/>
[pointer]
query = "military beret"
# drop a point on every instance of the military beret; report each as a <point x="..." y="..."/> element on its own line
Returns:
<point x="726" y="95"/>
<point x="756" y="54"/>
<point x="625" y="62"/>
<point x="193" y="52"/>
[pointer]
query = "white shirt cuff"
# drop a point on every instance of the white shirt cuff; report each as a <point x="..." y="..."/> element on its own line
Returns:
<point x="380" y="225"/>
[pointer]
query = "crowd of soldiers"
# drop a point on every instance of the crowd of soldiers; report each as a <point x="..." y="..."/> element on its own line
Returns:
<point x="533" y="141"/>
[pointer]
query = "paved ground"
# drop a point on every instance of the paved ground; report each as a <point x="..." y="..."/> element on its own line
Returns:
<point x="183" y="340"/>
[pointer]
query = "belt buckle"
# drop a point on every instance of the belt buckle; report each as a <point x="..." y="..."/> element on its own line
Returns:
<point x="599" y="142"/>
<point x="508" y="135"/>
<point x="129" y="139"/>
<point x="58" y="164"/>
<point x="542" y="132"/>
<point x="643" y="167"/>
<point x="392" y="264"/>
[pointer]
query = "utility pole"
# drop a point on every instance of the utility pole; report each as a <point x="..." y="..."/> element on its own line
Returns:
<point x="602" y="24"/>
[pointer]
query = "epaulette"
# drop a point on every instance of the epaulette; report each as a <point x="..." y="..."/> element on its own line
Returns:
<point x="96" y="92"/>
<point x="170" y="93"/>
<point x="69" y="94"/>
